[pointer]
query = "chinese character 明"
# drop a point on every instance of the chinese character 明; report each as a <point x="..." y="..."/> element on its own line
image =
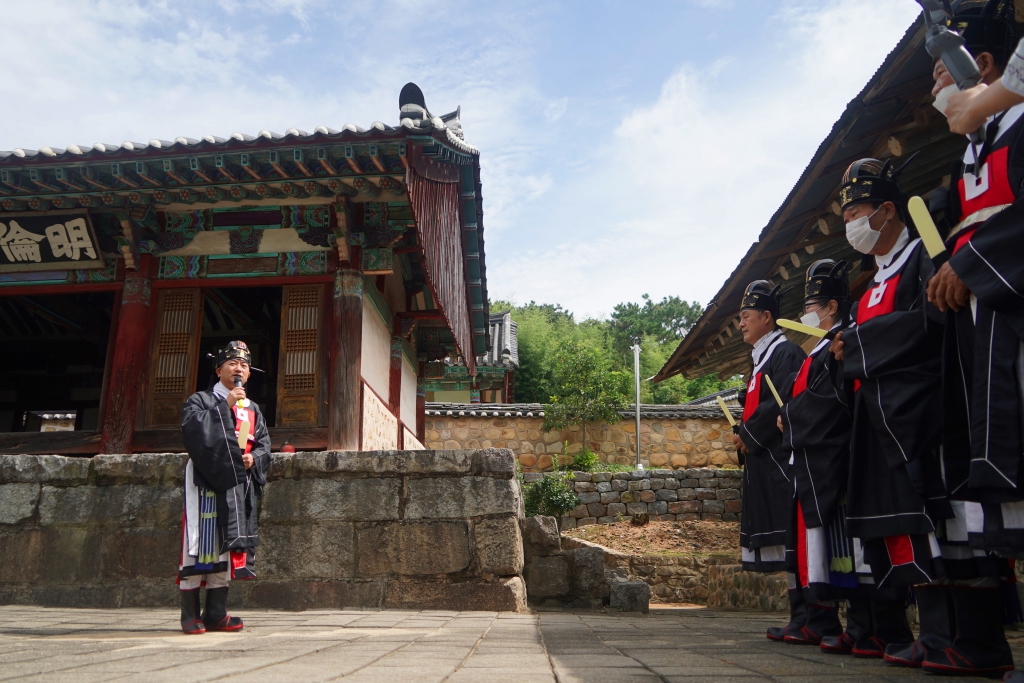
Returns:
<point x="19" y="244"/>
<point x="70" y="239"/>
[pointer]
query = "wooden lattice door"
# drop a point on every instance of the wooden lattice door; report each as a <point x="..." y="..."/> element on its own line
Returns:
<point x="179" y="322"/>
<point x="300" y="374"/>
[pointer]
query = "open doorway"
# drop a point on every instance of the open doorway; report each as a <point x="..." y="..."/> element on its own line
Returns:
<point x="53" y="350"/>
<point x="253" y="315"/>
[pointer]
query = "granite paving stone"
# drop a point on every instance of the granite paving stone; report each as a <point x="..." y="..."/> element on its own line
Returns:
<point x="549" y="646"/>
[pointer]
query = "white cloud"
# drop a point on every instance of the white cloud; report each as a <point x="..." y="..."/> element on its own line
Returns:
<point x="673" y="200"/>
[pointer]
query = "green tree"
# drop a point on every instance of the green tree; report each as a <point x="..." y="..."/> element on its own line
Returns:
<point x="667" y="321"/>
<point x="585" y="390"/>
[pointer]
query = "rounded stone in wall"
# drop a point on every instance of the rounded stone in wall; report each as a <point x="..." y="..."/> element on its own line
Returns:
<point x="679" y="461"/>
<point x="670" y="448"/>
<point x="699" y="437"/>
<point x="452" y="444"/>
<point x="714" y="433"/>
<point x="659" y="459"/>
<point x="526" y="447"/>
<point x="719" y="458"/>
<point x="672" y="434"/>
<point x="687" y="437"/>
<point x="685" y="448"/>
<point x="473" y="443"/>
<point x="461" y="433"/>
<point x="544" y="462"/>
<point x="623" y="460"/>
<point x="698" y="460"/>
<point x="528" y="460"/>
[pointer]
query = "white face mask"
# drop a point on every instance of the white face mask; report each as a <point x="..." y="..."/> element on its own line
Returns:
<point x="942" y="98"/>
<point x="811" y="319"/>
<point x="861" y="236"/>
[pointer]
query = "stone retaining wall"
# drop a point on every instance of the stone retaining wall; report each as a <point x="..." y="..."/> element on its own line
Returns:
<point x="667" y="495"/>
<point x="729" y="587"/>
<point x="403" y="529"/>
<point x="676" y="443"/>
<point x="672" y="578"/>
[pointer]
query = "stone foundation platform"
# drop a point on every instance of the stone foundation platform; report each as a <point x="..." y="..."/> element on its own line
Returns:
<point x="401" y="529"/>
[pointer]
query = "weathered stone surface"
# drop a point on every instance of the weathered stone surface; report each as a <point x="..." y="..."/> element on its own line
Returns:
<point x="589" y="497"/>
<point x="143" y="468"/>
<point x="38" y="469"/>
<point x="611" y="497"/>
<point x="504" y="595"/>
<point x="369" y="499"/>
<point x="587" y="567"/>
<point x="311" y="551"/>
<point x="658" y="507"/>
<point x="668" y="495"/>
<point x="630" y="596"/>
<point x="131" y="505"/>
<point x="541" y="536"/>
<point x="713" y="506"/>
<point x="18" y="502"/>
<point x="547" y="577"/>
<point x="614" y="509"/>
<point x="461" y="497"/>
<point x="647" y="496"/>
<point x="413" y="549"/>
<point x="636" y="508"/>
<point x="499" y="546"/>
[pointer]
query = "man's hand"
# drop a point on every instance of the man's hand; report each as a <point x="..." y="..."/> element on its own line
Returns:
<point x="738" y="442"/>
<point x="836" y="349"/>
<point x="235" y="395"/>
<point x="963" y="113"/>
<point x="778" y="422"/>
<point x="946" y="290"/>
<point x="247" y="460"/>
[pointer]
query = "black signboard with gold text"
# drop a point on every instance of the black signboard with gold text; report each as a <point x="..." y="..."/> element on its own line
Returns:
<point x="48" y="240"/>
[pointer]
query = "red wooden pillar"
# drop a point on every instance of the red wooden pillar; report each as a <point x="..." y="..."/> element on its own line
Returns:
<point x="346" y="352"/>
<point x="421" y="408"/>
<point x="395" y="384"/>
<point x="130" y="361"/>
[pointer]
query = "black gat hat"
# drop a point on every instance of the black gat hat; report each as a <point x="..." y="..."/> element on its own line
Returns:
<point x="871" y="180"/>
<point x="826" y="279"/>
<point x="235" y="350"/>
<point x="986" y="26"/>
<point x="763" y="295"/>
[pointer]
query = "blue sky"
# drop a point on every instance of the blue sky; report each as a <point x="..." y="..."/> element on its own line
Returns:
<point x="625" y="147"/>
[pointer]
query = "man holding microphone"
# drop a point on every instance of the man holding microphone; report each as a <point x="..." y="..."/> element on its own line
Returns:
<point x="228" y="457"/>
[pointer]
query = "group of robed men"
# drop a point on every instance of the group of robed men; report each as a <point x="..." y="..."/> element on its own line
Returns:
<point x="893" y="471"/>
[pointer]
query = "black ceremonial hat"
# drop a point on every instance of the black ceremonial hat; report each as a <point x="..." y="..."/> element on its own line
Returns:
<point x="986" y="26"/>
<point x="871" y="180"/>
<point x="763" y="295"/>
<point x="826" y="279"/>
<point x="235" y="350"/>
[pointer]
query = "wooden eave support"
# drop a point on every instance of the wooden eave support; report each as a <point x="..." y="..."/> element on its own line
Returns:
<point x="326" y="165"/>
<point x="227" y="175"/>
<point x="377" y="159"/>
<point x="87" y="176"/>
<point x="280" y="170"/>
<point x="302" y="169"/>
<point x="205" y="178"/>
<point x="176" y="178"/>
<point x="253" y="173"/>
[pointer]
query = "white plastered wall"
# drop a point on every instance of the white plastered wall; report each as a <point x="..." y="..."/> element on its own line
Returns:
<point x="375" y="356"/>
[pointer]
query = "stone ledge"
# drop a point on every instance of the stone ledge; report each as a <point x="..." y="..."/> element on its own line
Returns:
<point x="729" y="587"/>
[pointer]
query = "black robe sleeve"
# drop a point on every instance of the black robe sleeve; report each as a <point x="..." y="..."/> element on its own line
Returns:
<point x="208" y="430"/>
<point x="895" y="359"/>
<point x="760" y="432"/>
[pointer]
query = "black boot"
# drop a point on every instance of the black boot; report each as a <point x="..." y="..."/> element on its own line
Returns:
<point x="216" y="615"/>
<point x="890" y="619"/>
<point x="980" y="646"/>
<point x="822" y="621"/>
<point x="858" y="627"/>
<point x="797" y="617"/>
<point x="190" y="622"/>
<point x="935" y="614"/>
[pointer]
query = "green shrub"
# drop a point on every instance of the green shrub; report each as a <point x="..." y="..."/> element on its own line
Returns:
<point x="553" y="495"/>
<point x="584" y="461"/>
<point x="612" y="467"/>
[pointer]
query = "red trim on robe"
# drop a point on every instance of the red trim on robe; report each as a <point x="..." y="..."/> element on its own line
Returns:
<point x="878" y="300"/>
<point x="801" y="547"/>
<point x="999" y="190"/>
<point x="800" y="385"/>
<point x="901" y="550"/>
<point x="753" y="397"/>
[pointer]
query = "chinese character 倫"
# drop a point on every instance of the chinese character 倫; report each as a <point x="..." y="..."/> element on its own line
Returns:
<point x="19" y="244"/>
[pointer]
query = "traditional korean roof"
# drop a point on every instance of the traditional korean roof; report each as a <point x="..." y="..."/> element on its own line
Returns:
<point x="504" y="339"/>
<point x="731" y="397"/>
<point x="647" y="410"/>
<point x="143" y="182"/>
<point x="891" y="117"/>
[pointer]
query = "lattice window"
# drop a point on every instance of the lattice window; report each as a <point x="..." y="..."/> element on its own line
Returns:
<point x="174" y="360"/>
<point x="300" y="356"/>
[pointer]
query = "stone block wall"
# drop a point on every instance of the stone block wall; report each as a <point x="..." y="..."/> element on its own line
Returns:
<point x="729" y="587"/>
<point x="403" y="529"/>
<point x="672" y="578"/>
<point x="666" y="495"/>
<point x="689" y="438"/>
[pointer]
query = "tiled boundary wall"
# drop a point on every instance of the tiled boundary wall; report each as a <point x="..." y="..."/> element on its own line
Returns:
<point x="666" y="495"/>
<point x="671" y="437"/>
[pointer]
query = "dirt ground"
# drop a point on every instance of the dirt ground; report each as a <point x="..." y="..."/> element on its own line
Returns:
<point x="702" y="537"/>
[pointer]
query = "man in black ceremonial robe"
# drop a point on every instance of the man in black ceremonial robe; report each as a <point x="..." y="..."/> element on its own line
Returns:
<point x="222" y="484"/>
<point x="767" y="481"/>
<point x="896" y="497"/>
<point x="981" y="368"/>
<point x="817" y="422"/>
